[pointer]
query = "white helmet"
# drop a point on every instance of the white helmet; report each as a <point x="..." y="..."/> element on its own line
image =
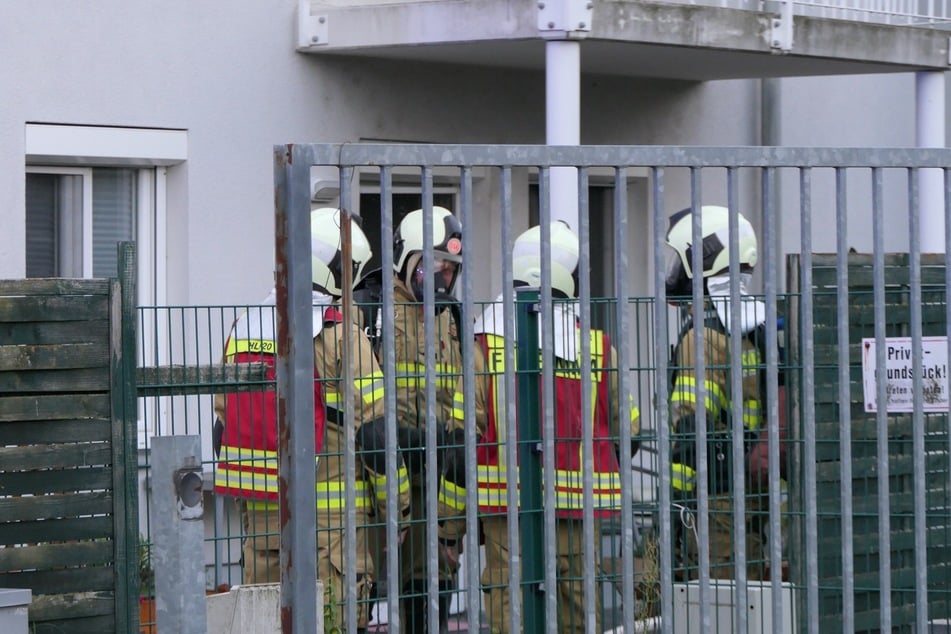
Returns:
<point x="527" y="259"/>
<point x="715" y="231"/>
<point x="447" y="250"/>
<point x="326" y="257"/>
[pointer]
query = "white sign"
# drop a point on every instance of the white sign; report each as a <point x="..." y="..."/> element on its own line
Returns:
<point x="899" y="390"/>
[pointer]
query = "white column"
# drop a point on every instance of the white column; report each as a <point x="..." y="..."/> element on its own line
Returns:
<point x="929" y="130"/>
<point x="563" y="121"/>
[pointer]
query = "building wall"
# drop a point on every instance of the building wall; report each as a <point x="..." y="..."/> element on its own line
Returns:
<point x="228" y="74"/>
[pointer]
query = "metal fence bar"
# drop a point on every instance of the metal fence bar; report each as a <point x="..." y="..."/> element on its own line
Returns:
<point x="736" y="379"/>
<point x="918" y="423"/>
<point x="845" y="420"/>
<point x="881" y="418"/>
<point x="295" y="395"/>
<point x="808" y="402"/>
<point x="625" y="397"/>
<point x="347" y="389"/>
<point x="389" y="385"/>
<point x="587" y="405"/>
<point x="473" y="603"/>
<point x="369" y="154"/>
<point x="665" y="548"/>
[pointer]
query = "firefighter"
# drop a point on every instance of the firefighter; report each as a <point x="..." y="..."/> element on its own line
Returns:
<point x="714" y="316"/>
<point x="247" y="466"/>
<point x="494" y="475"/>
<point x="412" y="408"/>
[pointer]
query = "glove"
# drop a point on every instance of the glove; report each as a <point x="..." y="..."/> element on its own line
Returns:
<point x="216" y="434"/>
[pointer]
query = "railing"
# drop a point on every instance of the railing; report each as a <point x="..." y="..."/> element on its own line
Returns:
<point x="923" y="13"/>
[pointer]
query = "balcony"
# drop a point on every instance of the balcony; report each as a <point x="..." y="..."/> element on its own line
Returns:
<point x="730" y="39"/>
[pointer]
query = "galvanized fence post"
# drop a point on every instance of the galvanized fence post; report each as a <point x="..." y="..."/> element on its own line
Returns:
<point x="529" y="470"/>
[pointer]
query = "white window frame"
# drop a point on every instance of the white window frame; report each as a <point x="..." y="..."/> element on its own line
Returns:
<point x="76" y="149"/>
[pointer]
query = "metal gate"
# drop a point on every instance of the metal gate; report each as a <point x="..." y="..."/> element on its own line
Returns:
<point x="802" y="202"/>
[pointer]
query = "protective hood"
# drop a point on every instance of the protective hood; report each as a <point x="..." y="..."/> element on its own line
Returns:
<point x="260" y="323"/>
<point x="752" y="311"/>
<point x="565" y="315"/>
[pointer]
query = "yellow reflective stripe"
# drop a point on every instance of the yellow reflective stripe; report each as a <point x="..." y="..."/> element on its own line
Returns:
<point x="682" y="477"/>
<point x="413" y="375"/>
<point x="230" y="453"/>
<point x="458" y="406"/>
<point x="245" y="480"/>
<point x="635" y="412"/>
<point x="370" y="387"/>
<point x="379" y="483"/>
<point x="451" y="495"/>
<point x="263" y="346"/>
<point x="750" y="360"/>
<point x="685" y="391"/>
<point x="333" y="495"/>
<point x="569" y="491"/>
<point x="332" y="399"/>
<point x="752" y="414"/>
<point x="257" y="505"/>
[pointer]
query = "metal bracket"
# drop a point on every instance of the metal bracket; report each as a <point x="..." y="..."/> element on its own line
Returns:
<point x="781" y="31"/>
<point x="312" y="30"/>
<point x="565" y="19"/>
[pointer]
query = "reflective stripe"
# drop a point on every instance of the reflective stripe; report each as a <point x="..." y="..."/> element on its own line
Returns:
<point x="370" y="389"/>
<point x="751" y="362"/>
<point x="254" y="472"/>
<point x="635" y="412"/>
<point x="682" y="477"/>
<point x="752" y="414"/>
<point x="685" y="391"/>
<point x="333" y="495"/>
<point x="452" y="495"/>
<point x="259" y="457"/>
<point x="379" y="483"/>
<point x="569" y="488"/>
<point x="263" y="346"/>
<point x="413" y="375"/>
<point x="458" y="406"/>
<point x="254" y="505"/>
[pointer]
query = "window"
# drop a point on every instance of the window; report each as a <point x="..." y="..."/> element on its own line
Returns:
<point x="89" y="187"/>
<point x="75" y="217"/>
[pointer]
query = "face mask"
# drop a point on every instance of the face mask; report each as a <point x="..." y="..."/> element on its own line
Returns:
<point x="444" y="278"/>
<point x="752" y="312"/>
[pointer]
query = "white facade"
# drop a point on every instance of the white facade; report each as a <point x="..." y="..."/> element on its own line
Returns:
<point x="227" y="78"/>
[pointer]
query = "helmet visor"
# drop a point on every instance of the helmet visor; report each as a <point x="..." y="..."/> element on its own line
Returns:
<point x="677" y="283"/>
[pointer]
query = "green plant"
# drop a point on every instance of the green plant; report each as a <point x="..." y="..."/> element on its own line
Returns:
<point x="146" y="572"/>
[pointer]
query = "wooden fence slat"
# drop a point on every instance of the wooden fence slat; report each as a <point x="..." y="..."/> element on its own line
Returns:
<point x="47" y="556"/>
<point x="86" y="579"/>
<point x="59" y="456"/>
<point x="53" y="431"/>
<point x="53" y="286"/>
<point x="69" y="606"/>
<point x="55" y="381"/>
<point x="55" y="506"/>
<point x="55" y="407"/>
<point x="73" y="528"/>
<point x="94" y="331"/>
<point x="60" y="356"/>
<point x="55" y="481"/>
<point x="53" y="308"/>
